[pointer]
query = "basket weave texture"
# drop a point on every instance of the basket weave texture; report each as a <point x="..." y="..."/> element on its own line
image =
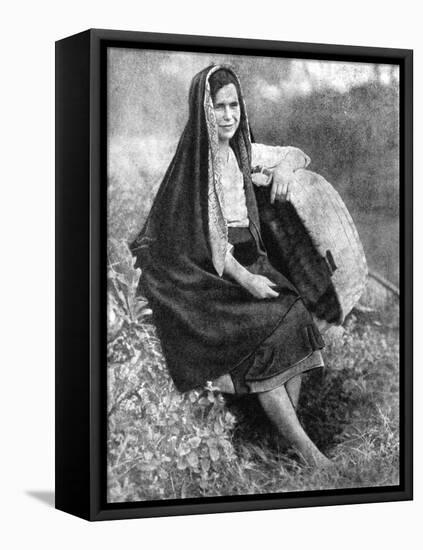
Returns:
<point x="312" y="239"/>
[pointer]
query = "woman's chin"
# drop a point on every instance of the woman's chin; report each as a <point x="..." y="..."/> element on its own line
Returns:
<point x="226" y="136"/>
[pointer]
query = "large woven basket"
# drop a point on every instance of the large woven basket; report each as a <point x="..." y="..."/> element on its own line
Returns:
<point x="312" y="239"/>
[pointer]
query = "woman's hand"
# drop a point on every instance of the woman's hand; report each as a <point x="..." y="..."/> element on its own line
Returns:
<point x="259" y="286"/>
<point x="283" y="176"/>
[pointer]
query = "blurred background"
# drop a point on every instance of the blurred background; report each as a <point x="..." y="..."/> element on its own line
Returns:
<point x="345" y="116"/>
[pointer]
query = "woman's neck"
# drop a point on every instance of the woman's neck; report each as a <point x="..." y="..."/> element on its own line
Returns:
<point x="224" y="149"/>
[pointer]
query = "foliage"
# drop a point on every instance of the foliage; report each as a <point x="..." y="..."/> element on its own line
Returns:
<point x="352" y="139"/>
<point x="164" y="445"/>
<point x="122" y="280"/>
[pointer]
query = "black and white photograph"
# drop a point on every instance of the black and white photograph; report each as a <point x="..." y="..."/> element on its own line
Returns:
<point x="210" y="242"/>
<point x="253" y="275"/>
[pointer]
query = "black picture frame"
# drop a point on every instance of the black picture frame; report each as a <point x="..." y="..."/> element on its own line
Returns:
<point x="81" y="274"/>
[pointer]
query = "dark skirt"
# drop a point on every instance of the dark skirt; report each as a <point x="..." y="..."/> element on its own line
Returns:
<point x="263" y="370"/>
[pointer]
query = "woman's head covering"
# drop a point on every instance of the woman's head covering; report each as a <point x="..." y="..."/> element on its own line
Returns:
<point x="191" y="194"/>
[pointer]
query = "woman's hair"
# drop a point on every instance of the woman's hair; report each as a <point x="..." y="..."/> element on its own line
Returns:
<point x="220" y="78"/>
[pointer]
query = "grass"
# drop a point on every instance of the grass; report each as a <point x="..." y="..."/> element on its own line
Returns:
<point x="166" y="445"/>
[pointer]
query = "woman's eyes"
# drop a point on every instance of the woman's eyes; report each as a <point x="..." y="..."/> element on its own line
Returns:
<point x="221" y="106"/>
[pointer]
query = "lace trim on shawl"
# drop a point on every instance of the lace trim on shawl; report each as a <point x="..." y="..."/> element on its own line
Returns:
<point x="218" y="227"/>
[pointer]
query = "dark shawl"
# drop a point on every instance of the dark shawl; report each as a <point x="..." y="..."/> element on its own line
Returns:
<point x="207" y="324"/>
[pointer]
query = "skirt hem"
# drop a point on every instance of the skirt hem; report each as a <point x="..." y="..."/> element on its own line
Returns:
<point x="312" y="361"/>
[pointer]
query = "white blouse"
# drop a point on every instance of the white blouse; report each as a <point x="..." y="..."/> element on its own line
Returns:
<point x="267" y="156"/>
<point x="235" y="205"/>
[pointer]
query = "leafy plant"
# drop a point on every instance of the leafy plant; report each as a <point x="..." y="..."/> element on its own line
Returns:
<point x="124" y="306"/>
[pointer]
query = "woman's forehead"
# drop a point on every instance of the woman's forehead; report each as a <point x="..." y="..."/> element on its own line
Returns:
<point x="226" y="94"/>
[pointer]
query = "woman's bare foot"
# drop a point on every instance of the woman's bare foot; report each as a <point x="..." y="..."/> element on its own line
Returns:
<point x="321" y="462"/>
<point x="279" y="408"/>
<point x="318" y="461"/>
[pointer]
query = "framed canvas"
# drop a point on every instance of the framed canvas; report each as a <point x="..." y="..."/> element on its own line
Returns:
<point x="233" y="274"/>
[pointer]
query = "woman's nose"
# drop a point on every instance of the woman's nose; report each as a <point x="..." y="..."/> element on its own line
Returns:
<point x="227" y="113"/>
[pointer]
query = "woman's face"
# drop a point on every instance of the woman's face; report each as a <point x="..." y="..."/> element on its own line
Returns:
<point x="227" y="111"/>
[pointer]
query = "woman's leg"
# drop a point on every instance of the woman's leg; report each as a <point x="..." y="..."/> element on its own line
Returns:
<point x="293" y="387"/>
<point x="279" y="408"/>
<point x="225" y="384"/>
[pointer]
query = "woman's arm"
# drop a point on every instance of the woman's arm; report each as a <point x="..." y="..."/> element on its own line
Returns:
<point x="270" y="156"/>
<point x="257" y="285"/>
<point x="282" y="162"/>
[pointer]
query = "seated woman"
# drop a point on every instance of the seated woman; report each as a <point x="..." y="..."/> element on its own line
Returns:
<point x="223" y="313"/>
